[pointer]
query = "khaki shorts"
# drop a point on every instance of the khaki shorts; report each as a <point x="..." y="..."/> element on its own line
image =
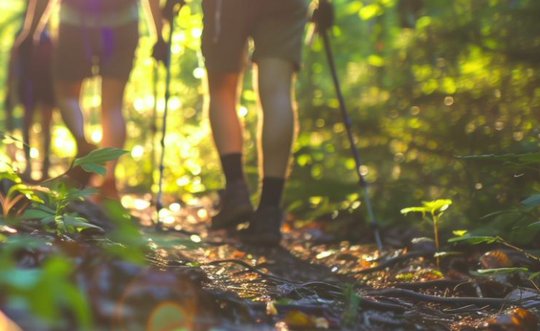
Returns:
<point x="80" y="52"/>
<point x="276" y="27"/>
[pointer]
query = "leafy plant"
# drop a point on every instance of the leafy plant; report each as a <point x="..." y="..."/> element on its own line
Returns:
<point x="34" y="289"/>
<point x="15" y="196"/>
<point x="431" y="211"/>
<point x="464" y="236"/>
<point x="46" y="289"/>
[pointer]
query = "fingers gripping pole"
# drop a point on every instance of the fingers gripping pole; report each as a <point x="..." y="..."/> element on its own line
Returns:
<point x="324" y="19"/>
<point x="171" y="9"/>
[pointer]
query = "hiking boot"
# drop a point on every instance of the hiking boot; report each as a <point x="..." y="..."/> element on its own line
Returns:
<point x="264" y="227"/>
<point x="77" y="175"/>
<point x="235" y="206"/>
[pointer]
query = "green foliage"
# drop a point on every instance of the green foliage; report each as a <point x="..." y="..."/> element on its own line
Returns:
<point x="474" y="240"/>
<point x="95" y="160"/>
<point x="518" y="225"/>
<point x="48" y="290"/>
<point x="435" y="209"/>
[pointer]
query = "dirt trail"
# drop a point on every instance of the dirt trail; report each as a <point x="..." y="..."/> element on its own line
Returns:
<point x="196" y="280"/>
<point x="339" y="285"/>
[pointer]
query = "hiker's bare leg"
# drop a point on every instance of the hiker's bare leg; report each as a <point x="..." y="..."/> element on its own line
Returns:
<point x="277" y="126"/>
<point x="226" y="126"/>
<point x="67" y="95"/>
<point x="113" y="125"/>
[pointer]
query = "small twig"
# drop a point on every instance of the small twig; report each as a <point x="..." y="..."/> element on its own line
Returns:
<point x="384" y="306"/>
<point x="465" y="309"/>
<point x="522" y="251"/>
<point x="319" y="284"/>
<point x="448" y="283"/>
<point x="251" y="268"/>
<point x="394" y="260"/>
<point x="497" y="302"/>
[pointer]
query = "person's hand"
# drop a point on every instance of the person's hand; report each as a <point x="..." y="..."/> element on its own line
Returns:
<point x="160" y="51"/>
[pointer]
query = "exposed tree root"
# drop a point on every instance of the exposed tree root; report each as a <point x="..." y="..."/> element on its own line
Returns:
<point x="397" y="292"/>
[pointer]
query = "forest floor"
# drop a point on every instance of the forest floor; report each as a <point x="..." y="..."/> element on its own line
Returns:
<point x="201" y="280"/>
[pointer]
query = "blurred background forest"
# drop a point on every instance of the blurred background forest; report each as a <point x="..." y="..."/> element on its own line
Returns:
<point x="427" y="83"/>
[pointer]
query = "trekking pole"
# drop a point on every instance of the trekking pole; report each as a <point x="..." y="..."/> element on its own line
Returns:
<point x="153" y="128"/>
<point x="171" y="9"/>
<point x="324" y="19"/>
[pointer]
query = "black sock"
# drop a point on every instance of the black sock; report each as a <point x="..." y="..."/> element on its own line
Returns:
<point x="232" y="167"/>
<point x="272" y="191"/>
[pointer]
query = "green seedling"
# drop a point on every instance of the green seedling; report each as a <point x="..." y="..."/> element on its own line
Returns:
<point x="431" y="211"/>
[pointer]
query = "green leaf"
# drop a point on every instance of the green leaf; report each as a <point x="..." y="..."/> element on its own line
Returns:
<point x="100" y="156"/>
<point x="429" y="206"/>
<point x="79" y="223"/>
<point x="44" y="216"/>
<point x="475" y="240"/>
<point x="9" y="174"/>
<point x="30" y="192"/>
<point x="459" y="233"/>
<point x="16" y="242"/>
<point x="446" y="254"/>
<point x="437" y="205"/>
<point x="413" y="210"/>
<point x="98" y="169"/>
<point x="534" y="225"/>
<point x="534" y="275"/>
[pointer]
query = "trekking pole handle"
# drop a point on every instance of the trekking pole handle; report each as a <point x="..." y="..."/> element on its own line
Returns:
<point x="323" y="16"/>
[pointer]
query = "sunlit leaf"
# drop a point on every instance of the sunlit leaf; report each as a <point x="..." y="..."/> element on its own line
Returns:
<point x="413" y="210"/>
<point x="437" y="205"/>
<point x="28" y="191"/>
<point x="447" y="253"/>
<point x="459" y="233"/>
<point x="9" y="174"/>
